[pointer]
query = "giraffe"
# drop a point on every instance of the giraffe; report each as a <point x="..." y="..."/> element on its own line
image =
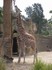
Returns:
<point x="25" y="39"/>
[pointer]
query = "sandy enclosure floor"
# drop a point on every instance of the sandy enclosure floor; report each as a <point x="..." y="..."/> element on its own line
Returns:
<point x="44" y="56"/>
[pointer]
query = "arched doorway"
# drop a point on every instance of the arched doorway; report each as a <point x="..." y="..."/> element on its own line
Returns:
<point x="15" y="45"/>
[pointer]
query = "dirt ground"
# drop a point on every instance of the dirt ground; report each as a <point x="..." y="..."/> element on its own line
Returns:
<point x="44" y="56"/>
<point x="16" y="66"/>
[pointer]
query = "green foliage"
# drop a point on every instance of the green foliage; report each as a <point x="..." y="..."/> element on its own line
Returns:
<point x="1" y="15"/>
<point x="39" y="65"/>
<point x="49" y="67"/>
<point x="36" y="14"/>
<point x="49" y="28"/>
<point x="29" y="11"/>
<point x="44" y="32"/>
<point x="2" y="64"/>
<point x="50" y="20"/>
<point x="50" y="11"/>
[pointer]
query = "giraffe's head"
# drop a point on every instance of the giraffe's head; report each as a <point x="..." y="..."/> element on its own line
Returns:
<point x="17" y="10"/>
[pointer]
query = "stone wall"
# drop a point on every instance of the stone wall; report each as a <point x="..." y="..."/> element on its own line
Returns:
<point x="44" y="43"/>
<point x="29" y="26"/>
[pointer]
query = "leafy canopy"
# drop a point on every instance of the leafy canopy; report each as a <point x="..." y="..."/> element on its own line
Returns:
<point x="36" y="14"/>
<point x="1" y="15"/>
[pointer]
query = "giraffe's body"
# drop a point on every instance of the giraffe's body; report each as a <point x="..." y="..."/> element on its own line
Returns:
<point x="25" y="39"/>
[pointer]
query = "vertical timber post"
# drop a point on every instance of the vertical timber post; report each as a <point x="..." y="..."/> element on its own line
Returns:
<point x="8" y="25"/>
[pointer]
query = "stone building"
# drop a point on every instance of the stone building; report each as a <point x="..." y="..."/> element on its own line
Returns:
<point x="44" y="43"/>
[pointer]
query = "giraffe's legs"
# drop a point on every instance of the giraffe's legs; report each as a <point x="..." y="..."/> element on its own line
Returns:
<point x="34" y="50"/>
<point x="24" y="53"/>
<point x="34" y="57"/>
<point x="23" y="50"/>
<point x="19" y="56"/>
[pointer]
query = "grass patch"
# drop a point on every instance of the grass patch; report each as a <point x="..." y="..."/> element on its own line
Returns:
<point x="39" y="65"/>
<point x="2" y="64"/>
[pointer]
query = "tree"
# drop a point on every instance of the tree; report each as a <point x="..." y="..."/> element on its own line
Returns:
<point x="1" y="20"/>
<point x="50" y="11"/>
<point x="50" y="20"/>
<point x="49" y="28"/>
<point x="37" y="16"/>
<point x="29" y="11"/>
<point x="1" y="15"/>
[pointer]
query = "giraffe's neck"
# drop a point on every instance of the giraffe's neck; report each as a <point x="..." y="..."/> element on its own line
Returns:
<point x="19" y="24"/>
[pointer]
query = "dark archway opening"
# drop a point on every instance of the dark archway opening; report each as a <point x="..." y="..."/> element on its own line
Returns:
<point x="15" y="45"/>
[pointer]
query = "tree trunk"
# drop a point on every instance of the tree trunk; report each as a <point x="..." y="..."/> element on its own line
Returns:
<point x="8" y="25"/>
